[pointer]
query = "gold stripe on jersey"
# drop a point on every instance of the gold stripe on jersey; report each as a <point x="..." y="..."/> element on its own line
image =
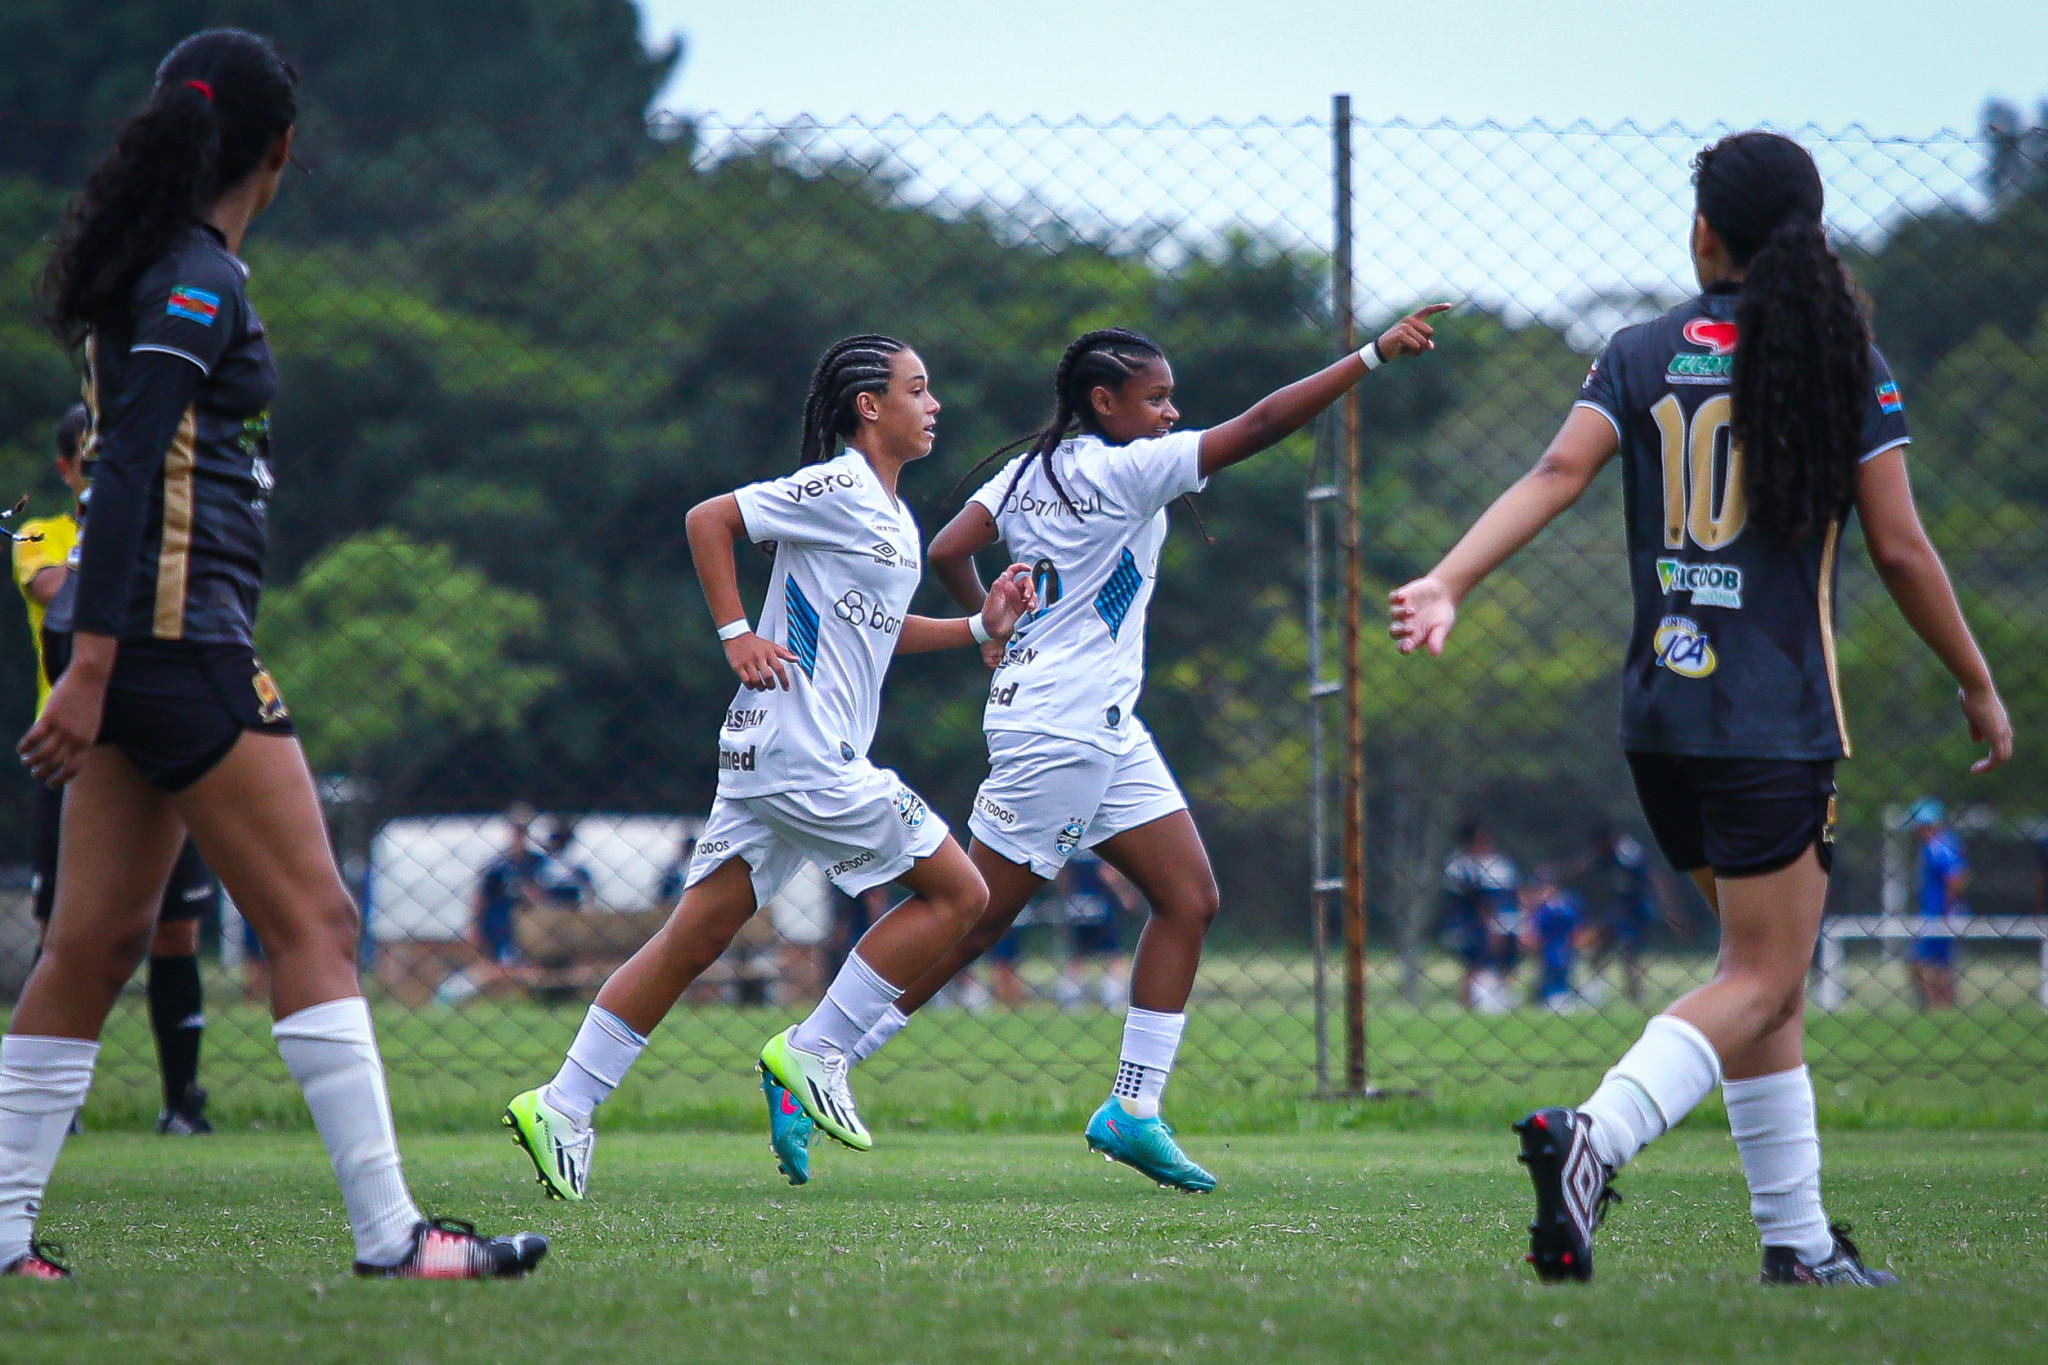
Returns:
<point x="1827" y="628"/>
<point x="88" y="446"/>
<point x="174" y="558"/>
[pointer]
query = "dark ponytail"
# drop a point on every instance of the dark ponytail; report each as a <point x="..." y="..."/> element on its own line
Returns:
<point x="857" y="365"/>
<point x="1103" y="359"/>
<point x="1802" y="350"/>
<point x="222" y="99"/>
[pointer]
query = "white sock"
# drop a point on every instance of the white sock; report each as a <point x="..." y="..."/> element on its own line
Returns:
<point x="604" y="1051"/>
<point x="1773" y="1123"/>
<point x="888" y="1026"/>
<point x="1151" y="1040"/>
<point x="42" y="1084"/>
<point x="1654" y="1085"/>
<point x="331" y="1051"/>
<point x="854" y="1004"/>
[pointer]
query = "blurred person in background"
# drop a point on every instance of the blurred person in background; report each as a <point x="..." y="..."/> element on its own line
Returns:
<point x="1943" y="877"/>
<point x="1552" y="919"/>
<point x="43" y="553"/>
<point x="802" y="917"/>
<point x="1479" y="912"/>
<point x="1622" y="869"/>
<point x="669" y="888"/>
<point x="1095" y="894"/>
<point x="558" y="879"/>
<point x="507" y="883"/>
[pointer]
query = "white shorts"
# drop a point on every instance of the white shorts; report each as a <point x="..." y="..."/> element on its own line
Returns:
<point x="1046" y="796"/>
<point x="865" y="833"/>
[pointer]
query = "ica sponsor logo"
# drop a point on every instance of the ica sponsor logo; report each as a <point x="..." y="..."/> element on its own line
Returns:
<point x="1717" y="365"/>
<point x="1070" y="837"/>
<point x="1711" y="585"/>
<point x="744" y="719"/>
<point x="1002" y="815"/>
<point x="1684" y="648"/>
<point x="269" y="701"/>
<point x="736" y="760"/>
<point x="909" y="808"/>
<point x="1002" y="695"/>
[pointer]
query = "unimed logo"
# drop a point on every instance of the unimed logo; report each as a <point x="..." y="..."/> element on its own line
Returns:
<point x="735" y="760"/>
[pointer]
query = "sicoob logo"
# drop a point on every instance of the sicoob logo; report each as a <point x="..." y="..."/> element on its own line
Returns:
<point x="1711" y="585"/>
<point x="1683" y="648"/>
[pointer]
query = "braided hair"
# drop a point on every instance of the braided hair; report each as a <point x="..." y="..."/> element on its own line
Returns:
<point x="1101" y="359"/>
<point x="222" y="99"/>
<point x="1802" y="352"/>
<point x="857" y="365"/>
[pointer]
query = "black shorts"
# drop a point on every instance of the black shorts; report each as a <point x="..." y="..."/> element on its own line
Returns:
<point x="175" y="707"/>
<point x="1742" y="817"/>
<point x="192" y="891"/>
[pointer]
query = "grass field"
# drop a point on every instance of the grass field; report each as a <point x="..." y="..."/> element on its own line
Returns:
<point x="1354" y="1246"/>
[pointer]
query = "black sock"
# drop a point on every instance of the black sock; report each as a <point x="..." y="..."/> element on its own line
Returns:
<point x="177" y="1016"/>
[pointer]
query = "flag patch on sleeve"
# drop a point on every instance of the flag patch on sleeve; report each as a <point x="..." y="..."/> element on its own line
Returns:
<point x="194" y="305"/>
<point x="1888" y="399"/>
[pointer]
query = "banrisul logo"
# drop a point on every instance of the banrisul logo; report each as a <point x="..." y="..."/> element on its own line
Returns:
<point x="1717" y="366"/>
<point x="1711" y="585"/>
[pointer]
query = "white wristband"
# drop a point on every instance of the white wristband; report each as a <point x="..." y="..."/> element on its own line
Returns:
<point x="732" y="630"/>
<point x="978" y="630"/>
<point x="1370" y="354"/>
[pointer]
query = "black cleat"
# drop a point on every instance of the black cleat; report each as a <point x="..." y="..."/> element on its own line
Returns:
<point x="188" y="1118"/>
<point x="450" y="1249"/>
<point x="1844" y="1265"/>
<point x="1572" y="1193"/>
<point x="38" y="1263"/>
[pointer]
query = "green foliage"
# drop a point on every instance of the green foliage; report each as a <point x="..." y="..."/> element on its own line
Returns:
<point x="384" y="645"/>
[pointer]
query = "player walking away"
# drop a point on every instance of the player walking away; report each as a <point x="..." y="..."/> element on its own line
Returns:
<point x="1944" y="877"/>
<point x="1623" y="869"/>
<point x="163" y="720"/>
<point x="1754" y="418"/>
<point x="794" y="781"/>
<point x="1095" y="894"/>
<point x="1479" y="892"/>
<point x="177" y="1005"/>
<point x="1071" y="765"/>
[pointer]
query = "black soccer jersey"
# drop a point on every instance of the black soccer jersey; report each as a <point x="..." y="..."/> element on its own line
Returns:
<point x="1733" y="649"/>
<point x="179" y="393"/>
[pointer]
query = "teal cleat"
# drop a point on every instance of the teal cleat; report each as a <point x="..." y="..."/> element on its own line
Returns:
<point x="789" y="1130"/>
<point x="1146" y="1146"/>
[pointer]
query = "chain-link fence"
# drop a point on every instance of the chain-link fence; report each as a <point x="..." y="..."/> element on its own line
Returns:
<point x="505" y="378"/>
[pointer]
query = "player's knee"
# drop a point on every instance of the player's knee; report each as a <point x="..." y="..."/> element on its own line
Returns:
<point x="965" y="904"/>
<point x="1193" y="906"/>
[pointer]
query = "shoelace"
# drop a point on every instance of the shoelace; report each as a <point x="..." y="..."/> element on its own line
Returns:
<point x="1840" y="1232"/>
<point x="1608" y="1195"/>
<point x="837" y="1068"/>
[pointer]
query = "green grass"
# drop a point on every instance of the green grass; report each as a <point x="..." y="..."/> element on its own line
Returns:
<point x="1378" y="1245"/>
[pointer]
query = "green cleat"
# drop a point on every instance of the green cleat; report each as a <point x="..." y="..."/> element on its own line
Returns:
<point x="819" y="1085"/>
<point x="1146" y="1146"/>
<point x="789" y="1131"/>
<point x="559" y="1149"/>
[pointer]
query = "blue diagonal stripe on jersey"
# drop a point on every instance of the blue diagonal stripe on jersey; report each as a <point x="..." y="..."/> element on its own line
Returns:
<point x="803" y="628"/>
<point x="1118" y="593"/>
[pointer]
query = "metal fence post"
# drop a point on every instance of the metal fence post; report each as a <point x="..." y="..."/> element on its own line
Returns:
<point x="1354" y="589"/>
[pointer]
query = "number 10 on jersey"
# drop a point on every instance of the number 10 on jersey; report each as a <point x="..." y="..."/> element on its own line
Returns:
<point x="1713" y="509"/>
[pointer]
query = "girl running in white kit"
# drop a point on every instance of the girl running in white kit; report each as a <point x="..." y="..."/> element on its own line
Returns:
<point x="1071" y="765"/>
<point x="794" y="781"/>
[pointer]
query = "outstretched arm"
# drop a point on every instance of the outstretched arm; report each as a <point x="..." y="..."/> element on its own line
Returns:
<point x="1912" y="572"/>
<point x="1425" y="610"/>
<point x="712" y="526"/>
<point x="1279" y="415"/>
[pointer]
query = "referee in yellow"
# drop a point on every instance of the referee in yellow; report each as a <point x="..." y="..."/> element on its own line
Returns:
<point x="43" y="559"/>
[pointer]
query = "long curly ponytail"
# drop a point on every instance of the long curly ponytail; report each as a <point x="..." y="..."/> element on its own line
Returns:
<point x="1801" y="385"/>
<point x="222" y="99"/>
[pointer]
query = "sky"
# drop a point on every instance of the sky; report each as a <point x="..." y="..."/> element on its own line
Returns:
<point x="1894" y="67"/>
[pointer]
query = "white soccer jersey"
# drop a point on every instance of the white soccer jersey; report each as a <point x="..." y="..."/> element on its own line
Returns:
<point x="847" y="562"/>
<point x="1075" y="666"/>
